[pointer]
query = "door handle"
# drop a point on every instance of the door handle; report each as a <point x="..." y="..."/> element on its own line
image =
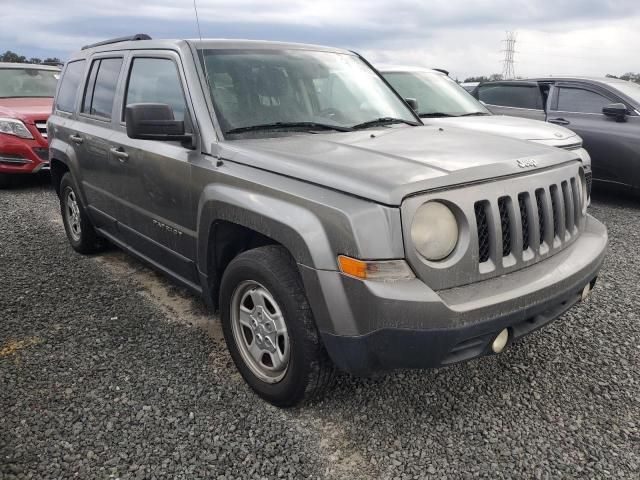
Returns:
<point x="559" y="121"/>
<point x="120" y="154"/>
<point x="77" y="139"/>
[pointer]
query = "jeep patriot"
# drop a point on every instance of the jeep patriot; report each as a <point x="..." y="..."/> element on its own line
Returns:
<point x="296" y="192"/>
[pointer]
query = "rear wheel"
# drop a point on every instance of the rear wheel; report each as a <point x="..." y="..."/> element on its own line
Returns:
<point x="80" y="232"/>
<point x="269" y="328"/>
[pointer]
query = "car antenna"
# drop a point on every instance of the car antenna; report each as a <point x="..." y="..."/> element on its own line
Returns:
<point x="195" y="8"/>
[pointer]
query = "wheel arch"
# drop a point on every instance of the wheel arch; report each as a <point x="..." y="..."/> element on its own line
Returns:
<point x="58" y="168"/>
<point x="233" y="220"/>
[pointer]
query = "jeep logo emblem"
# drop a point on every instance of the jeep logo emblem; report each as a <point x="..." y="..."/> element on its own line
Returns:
<point x="527" y="163"/>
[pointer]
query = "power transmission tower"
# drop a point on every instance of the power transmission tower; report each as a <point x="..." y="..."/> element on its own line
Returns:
<point x="508" y="70"/>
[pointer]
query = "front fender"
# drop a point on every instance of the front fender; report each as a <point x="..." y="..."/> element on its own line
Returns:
<point x="293" y="226"/>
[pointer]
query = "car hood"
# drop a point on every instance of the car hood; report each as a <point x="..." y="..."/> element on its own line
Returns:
<point x="388" y="164"/>
<point x="26" y="109"/>
<point x="514" y="127"/>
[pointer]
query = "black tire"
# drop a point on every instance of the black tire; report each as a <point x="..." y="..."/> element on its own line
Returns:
<point x="85" y="239"/>
<point x="309" y="371"/>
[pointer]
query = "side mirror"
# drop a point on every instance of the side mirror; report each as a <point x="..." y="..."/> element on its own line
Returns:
<point x="616" y="110"/>
<point x="154" y="121"/>
<point x="413" y="103"/>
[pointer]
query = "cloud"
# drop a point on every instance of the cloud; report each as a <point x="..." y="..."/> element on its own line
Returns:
<point x="570" y="36"/>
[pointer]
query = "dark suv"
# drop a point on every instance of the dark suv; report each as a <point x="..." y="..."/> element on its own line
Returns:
<point x="605" y="112"/>
<point x="329" y="225"/>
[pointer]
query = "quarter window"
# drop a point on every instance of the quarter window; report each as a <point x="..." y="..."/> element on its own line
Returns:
<point x="156" y="80"/>
<point x="69" y="87"/>
<point x="581" y="101"/>
<point x="517" y="96"/>
<point x="101" y="87"/>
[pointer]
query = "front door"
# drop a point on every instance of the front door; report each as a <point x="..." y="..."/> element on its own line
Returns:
<point x="158" y="217"/>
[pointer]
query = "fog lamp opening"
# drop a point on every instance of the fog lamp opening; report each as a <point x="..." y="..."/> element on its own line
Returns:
<point x="500" y="341"/>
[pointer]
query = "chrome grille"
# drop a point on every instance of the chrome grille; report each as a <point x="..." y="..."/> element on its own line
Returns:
<point x="558" y="205"/>
<point x="508" y="224"/>
<point x="42" y="128"/>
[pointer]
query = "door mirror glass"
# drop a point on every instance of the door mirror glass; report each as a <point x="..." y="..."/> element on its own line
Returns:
<point x="154" y="121"/>
<point x="413" y="103"/>
<point x="616" y="110"/>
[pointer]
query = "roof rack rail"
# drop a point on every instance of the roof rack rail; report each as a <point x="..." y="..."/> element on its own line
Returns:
<point x="441" y="70"/>
<point x="137" y="36"/>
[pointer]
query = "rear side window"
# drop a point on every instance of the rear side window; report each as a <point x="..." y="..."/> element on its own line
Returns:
<point x="517" y="96"/>
<point x="579" y="100"/>
<point x="69" y="86"/>
<point x="156" y="80"/>
<point x="101" y="87"/>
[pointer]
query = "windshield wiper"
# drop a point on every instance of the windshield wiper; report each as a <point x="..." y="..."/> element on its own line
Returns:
<point x="472" y="114"/>
<point x="435" y="114"/>
<point x="383" y="121"/>
<point x="285" y="125"/>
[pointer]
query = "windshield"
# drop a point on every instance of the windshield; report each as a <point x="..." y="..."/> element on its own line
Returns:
<point x="630" y="89"/>
<point x="436" y="94"/>
<point x="303" y="88"/>
<point x="28" y="82"/>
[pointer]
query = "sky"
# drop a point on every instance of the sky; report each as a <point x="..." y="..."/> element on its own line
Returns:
<point x="554" y="37"/>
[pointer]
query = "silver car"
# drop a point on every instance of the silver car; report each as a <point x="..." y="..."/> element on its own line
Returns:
<point x="441" y="101"/>
<point x="293" y="190"/>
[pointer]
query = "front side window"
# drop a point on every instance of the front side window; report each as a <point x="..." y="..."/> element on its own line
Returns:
<point x="156" y="80"/>
<point x="436" y="94"/>
<point x="101" y="87"/>
<point x="516" y="96"/>
<point x="266" y="87"/>
<point x="580" y="100"/>
<point x="69" y="87"/>
<point x="27" y="82"/>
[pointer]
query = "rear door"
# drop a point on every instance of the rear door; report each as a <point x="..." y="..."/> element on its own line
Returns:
<point x="520" y="99"/>
<point x="157" y="213"/>
<point x="614" y="146"/>
<point x="92" y="131"/>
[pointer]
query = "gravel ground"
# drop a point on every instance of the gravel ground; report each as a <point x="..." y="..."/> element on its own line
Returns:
<point x="102" y="375"/>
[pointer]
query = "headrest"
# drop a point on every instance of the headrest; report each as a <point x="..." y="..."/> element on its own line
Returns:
<point x="271" y="82"/>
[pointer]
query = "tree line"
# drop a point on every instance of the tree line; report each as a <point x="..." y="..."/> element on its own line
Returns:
<point x="12" y="57"/>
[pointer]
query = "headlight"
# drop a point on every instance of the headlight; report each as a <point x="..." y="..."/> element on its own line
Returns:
<point x="434" y="231"/>
<point x="11" y="126"/>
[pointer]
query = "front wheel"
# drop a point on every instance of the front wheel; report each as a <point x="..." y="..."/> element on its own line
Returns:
<point x="269" y="327"/>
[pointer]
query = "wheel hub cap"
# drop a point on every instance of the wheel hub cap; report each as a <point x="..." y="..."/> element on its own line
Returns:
<point x="72" y="212"/>
<point x="260" y="331"/>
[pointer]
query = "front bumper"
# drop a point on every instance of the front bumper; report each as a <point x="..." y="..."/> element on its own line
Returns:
<point x="21" y="155"/>
<point x="370" y="326"/>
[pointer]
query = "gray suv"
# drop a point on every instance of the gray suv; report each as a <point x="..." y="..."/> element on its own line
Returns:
<point x="327" y="229"/>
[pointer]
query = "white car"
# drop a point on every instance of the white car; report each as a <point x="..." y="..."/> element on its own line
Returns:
<point x="441" y="101"/>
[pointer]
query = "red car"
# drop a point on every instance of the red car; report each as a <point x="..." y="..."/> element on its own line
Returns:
<point x="26" y="97"/>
